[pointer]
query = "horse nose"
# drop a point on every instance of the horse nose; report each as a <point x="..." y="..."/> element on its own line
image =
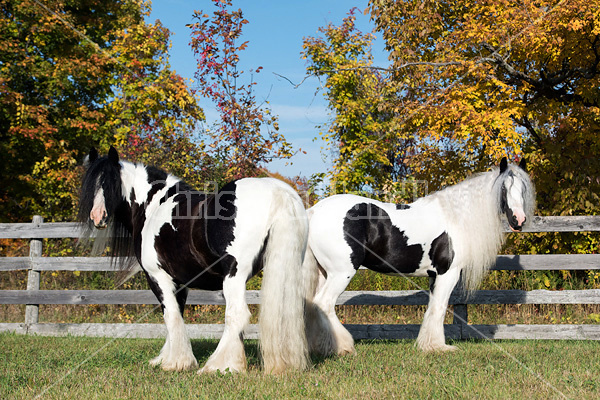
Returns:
<point x="517" y="222"/>
<point x="103" y="222"/>
<point x="100" y="220"/>
<point x="101" y="225"/>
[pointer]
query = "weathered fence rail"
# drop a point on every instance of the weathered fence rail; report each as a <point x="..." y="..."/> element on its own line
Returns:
<point x="459" y="329"/>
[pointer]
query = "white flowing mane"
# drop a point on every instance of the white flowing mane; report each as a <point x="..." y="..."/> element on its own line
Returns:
<point x="475" y="222"/>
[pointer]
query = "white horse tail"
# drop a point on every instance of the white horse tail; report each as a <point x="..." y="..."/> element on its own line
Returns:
<point x="281" y="322"/>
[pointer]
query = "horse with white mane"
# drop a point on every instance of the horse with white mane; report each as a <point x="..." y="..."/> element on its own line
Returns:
<point x="453" y="231"/>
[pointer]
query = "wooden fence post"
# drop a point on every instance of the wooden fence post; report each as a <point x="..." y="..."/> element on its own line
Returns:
<point x="33" y="278"/>
<point x="461" y="318"/>
<point x="460" y="314"/>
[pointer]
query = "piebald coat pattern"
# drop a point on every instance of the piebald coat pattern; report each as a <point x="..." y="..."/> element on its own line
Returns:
<point x="186" y="239"/>
<point x="453" y="231"/>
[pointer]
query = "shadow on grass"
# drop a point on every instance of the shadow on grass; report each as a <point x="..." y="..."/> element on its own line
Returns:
<point x="203" y="349"/>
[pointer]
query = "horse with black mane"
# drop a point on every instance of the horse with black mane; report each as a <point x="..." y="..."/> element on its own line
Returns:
<point x="453" y="231"/>
<point x="185" y="239"/>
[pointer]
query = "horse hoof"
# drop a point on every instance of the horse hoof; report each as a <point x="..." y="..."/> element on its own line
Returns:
<point x="155" y="362"/>
<point x="208" y="369"/>
<point x="346" y="351"/>
<point x="439" y="348"/>
<point x="178" y="365"/>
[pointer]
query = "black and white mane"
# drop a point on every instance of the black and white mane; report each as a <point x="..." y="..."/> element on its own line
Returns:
<point x="185" y="239"/>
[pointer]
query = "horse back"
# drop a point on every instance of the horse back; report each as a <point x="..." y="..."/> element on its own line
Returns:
<point x="380" y="236"/>
<point x="218" y="235"/>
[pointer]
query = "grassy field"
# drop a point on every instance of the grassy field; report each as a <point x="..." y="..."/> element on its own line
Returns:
<point x="98" y="368"/>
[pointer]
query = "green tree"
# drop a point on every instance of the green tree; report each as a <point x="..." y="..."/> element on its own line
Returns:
<point x="366" y="156"/>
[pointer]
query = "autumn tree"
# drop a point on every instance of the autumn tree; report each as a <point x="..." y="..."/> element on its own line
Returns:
<point x="155" y="113"/>
<point x="78" y="74"/>
<point x="494" y="78"/>
<point x="487" y="79"/>
<point x="50" y="82"/>
<point x="247" y="134"/>
<point x="364" y="158"/>
<point x="472" y="82"/>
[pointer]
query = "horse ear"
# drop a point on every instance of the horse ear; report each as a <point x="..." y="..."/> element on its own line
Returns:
<point x="523" y="164"/>
<point x="113" y="155"/>
<point x="503" y="165"/>
<point x="93" y="156"/>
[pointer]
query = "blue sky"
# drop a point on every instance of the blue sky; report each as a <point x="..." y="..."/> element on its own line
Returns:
<point x="275" y="32"/>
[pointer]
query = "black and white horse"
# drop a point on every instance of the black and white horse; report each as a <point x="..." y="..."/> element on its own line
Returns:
<point x="186" y="239"/>
<point x="458" y="229"/>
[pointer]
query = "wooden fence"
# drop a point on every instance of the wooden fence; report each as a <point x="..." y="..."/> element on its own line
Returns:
<point x="459" y="329"/>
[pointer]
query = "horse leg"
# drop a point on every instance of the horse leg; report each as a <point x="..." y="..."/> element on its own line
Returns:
<point x="431" y="335"/>
<point x="229" y="354"/>
<point x="326" y="333"/>
<point x="176" y="354"/>
<point x="314" y="279"/>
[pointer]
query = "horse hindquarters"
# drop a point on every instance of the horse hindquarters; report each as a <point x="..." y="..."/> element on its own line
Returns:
<point x="270" y="230"/>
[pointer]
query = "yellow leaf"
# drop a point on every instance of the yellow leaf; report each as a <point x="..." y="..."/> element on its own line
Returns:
<point x="546" y="282"/>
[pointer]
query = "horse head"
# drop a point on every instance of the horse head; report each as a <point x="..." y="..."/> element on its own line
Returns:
<point x="516" y="194"/>
<point x="101" y="188"/>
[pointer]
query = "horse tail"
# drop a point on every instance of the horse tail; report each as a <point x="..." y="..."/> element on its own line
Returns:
<point x="283" y="341"/>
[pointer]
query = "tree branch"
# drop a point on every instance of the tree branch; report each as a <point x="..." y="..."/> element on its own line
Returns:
<point x="551" y="85"/>
<point x="526" y="123"/>
<point x="371" y="68"/>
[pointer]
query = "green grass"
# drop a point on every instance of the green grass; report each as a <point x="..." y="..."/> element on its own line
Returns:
<point x="99" y="368"/>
